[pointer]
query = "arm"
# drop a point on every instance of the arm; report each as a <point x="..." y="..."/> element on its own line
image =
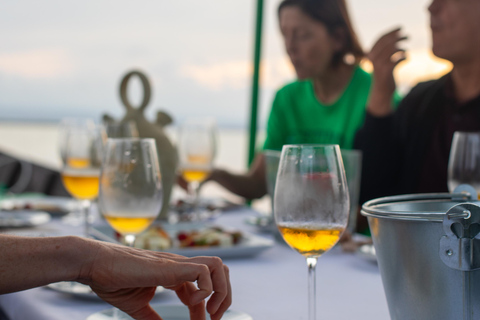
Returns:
<point x="253" y="184"/>
<point x="250" y="185"/>
<point x="377" y="138"/>
<point x="112" y="271"/>
<point x="33" y="262"/>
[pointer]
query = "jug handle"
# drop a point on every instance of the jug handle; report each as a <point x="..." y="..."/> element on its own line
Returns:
<point x="146" y="90"/>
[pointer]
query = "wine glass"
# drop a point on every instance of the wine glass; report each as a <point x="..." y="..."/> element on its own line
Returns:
<point x="464" y="160"/>
<point x="130" y="186"/>
<point x="311" y="203"/>
<point x="65" y="125"/>
<point x="82" y="160"/>
<point x="197" y="148"/>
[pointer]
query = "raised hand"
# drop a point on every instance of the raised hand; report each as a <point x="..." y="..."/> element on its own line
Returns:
<point x="385" y="56"/>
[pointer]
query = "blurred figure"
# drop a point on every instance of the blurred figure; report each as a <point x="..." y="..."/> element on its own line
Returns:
<point x="407" y="151"/>
<point x="327" y="102"/>
<point x="122" y="276"/>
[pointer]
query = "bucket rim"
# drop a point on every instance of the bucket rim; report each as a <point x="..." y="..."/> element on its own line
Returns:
<point x="372" y="208"/>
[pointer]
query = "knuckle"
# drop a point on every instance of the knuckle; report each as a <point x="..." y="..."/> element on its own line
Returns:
<point x="203" y="269"/>
<point x="216" y="261"/>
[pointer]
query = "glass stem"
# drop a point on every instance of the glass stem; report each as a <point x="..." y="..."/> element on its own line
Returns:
<point x="86" y="213"/>
<point x="311" y="263"/>
<point x="130" y="240"/>
<point x="195" y="193"/>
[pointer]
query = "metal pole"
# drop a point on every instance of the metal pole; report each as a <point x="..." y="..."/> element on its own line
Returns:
<point x="255" y="82"/>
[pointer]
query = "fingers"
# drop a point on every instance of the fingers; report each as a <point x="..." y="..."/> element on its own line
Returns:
<point x="215" y="281"/>
<point x="212" y="276"/>
<point x="227" y="301"/>
<point x="174" y="271"/>
<point x="189" y="273"/>
<point x="220" y="282"/>
<point x="386" y="50"/>
<point x="387" y="39"/>
<point x="220" y="288"/>
<point x="184" y="292"/>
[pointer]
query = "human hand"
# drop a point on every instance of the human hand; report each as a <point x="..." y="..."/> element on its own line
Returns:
<point x="127" y="278"/>
<point x="385" y="56"/>
<point x="182" y="182"/>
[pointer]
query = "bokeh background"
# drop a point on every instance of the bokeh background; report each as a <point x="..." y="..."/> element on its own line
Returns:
<point x="65" y="58"/>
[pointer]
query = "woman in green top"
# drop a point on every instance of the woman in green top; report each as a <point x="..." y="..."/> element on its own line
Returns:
<point x="327" y="102"/>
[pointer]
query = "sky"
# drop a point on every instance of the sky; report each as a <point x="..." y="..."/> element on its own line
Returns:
<point x="66" y="58"/>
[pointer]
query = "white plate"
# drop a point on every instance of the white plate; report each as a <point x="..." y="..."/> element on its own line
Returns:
<point x="19" y="219"/>
<point x="56" y="206"/>
<point x="367" y="251"/>
<point x="249" y="245"/>
<point x="169" y="312"/>
<point x="80" y="290"/>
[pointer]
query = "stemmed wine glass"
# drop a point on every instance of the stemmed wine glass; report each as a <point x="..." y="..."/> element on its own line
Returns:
<point x="311" y="203"/>
<point x="464" y="160"/>
<point x="82" y="153"/>
<point x="66" y="124"/>
<point x="130" y="186"/>
<point x="197" y="147"/>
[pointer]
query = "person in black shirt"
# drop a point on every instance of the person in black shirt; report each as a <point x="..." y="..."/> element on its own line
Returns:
<point x="407" y="150"/>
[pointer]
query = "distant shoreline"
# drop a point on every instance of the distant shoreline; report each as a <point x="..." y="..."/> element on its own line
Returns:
<point x="51" y="121"/>
<point x="18" y="120"/>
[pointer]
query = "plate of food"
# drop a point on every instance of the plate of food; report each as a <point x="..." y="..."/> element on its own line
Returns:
<point x="193" y="239"/>
<point x="55" y="206"/>
<point x="167" y="312"/>
<point x="80" y="290"/>
<point x="22" y="219"/>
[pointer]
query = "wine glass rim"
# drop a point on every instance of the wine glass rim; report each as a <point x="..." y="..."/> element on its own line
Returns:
<point x="311" y="145"/>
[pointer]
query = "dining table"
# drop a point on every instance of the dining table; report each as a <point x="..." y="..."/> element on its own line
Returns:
<point x="270" y="284"/>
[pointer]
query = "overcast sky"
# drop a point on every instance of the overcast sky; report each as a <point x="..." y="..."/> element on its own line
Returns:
<point x="66" y="58"/>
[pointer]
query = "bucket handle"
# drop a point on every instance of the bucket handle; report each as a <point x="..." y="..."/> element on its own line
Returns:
<point x="460" y="246"/>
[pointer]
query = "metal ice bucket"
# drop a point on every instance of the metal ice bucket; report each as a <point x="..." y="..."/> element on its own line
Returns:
<point x="428" y="251"/>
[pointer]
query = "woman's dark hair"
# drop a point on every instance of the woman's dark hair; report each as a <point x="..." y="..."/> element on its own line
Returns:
<point x="334" y="15"/>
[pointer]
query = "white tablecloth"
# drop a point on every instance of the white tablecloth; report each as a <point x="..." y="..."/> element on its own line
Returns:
<point x="272" y="285"/>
